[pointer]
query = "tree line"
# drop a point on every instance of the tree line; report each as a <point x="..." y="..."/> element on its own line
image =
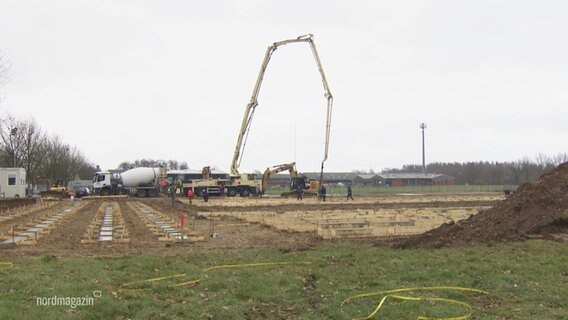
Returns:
<point x="23" y="143"/>
<point x="491" y="173"/>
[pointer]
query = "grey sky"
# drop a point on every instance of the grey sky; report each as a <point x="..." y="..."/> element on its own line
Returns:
<point x="125" y="80"/>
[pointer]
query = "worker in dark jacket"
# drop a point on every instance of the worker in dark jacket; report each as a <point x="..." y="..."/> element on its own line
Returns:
<point x="349" y="193"/>
<point x="172" y="190"/>
<point x="323" y="192"/>
<point x="299" y="193"/>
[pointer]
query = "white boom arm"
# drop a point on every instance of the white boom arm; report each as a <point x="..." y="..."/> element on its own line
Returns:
<point x="251" y="106"/>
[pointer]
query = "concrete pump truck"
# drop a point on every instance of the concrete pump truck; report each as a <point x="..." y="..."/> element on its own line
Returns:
<point x="246" y="184"/>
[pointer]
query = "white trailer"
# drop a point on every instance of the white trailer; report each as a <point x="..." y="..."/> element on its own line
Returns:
<point x="13" y="182"/>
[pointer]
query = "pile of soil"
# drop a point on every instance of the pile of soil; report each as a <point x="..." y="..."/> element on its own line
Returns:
<point x="535" y="209"/>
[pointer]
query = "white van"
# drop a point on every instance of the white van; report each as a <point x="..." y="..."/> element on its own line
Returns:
<point x="12" y="182"/>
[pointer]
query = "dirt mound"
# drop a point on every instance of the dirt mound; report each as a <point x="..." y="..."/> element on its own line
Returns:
<point x="539" y="208"/>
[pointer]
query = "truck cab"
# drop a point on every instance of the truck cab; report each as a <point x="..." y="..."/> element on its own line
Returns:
<point x="104" y="184"/>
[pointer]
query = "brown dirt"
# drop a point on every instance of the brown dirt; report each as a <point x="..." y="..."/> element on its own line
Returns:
<point x="65" y="239"/>
<point x="234" y="234"/>
<point x="535" y="210"/>
<point x="7" y="204"/>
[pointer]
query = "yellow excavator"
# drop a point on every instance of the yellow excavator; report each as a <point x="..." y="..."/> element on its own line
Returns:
<point x="47" y="189"/>
<point x="310" y="187"/>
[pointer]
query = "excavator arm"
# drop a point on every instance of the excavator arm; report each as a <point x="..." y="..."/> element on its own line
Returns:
<point x="291" y="167"/>
<point x="253" y="103"/>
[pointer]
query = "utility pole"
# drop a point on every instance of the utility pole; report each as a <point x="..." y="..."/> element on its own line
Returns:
<point x="423" y="126"/>
<point x="13" y="133"/>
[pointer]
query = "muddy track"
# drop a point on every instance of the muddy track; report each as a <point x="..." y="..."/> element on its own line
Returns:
<point x="352" y="206"/>
<point x="68" y="235"/>
<point x="7" y="204"/>
<point x="231" y="233"/>
<point x="139" y="233"/>
<point x="27" y="217"/>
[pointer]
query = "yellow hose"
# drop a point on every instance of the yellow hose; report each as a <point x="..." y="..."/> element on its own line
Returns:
<point x="6" y="265"/>
<point x="248" y="265"/>
<point x="390" y="294"/>
<point x="393" y="294"/>
<point x="126" y="286"/>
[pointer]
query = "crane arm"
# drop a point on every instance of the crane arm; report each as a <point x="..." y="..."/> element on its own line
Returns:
<point x="329" y="110"/>
<point x="253" y="103"/>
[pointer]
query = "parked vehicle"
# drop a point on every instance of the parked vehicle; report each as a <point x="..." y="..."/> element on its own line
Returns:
<point x="82" y="192"/>
<point x="141" y="182"/>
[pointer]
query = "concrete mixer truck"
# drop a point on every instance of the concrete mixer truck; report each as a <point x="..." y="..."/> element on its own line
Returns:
<point x="140" y="182"/>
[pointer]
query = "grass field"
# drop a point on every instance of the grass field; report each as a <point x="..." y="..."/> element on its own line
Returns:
<point x="527" y="280"/>
<point x="370" y="190"/>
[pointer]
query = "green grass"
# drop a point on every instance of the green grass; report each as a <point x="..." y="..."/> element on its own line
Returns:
<point x="527" y="280"/>
<point x="364" y="190"/>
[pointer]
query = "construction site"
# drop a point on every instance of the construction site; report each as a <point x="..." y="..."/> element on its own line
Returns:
<point x="118" y="225"/>
<point x="149" y="208"/>
<point x="150" y="213"/>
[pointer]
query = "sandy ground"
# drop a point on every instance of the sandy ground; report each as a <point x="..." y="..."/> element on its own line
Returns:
<point x="230" y="229"/>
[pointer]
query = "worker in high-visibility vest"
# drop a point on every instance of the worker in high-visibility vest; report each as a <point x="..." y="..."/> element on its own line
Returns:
<point x="190" y="195"/>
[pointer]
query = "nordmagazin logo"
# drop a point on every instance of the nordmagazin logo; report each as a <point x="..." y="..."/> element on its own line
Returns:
<point x="72" y="302"/>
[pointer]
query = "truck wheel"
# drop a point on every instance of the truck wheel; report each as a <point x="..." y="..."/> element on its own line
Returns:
<point x="152" y="193"/>
<point x="231" y="192"/>
<point x="141" y="193"/>
<point x="105" y="192"/>
<point x="245" y="193"/>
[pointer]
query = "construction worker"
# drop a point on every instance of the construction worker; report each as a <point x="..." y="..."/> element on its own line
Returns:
<point x="190" y="195"/>
<point x="164" y="185"/>
<point x="179" y="185"/>
<point x="323" y="192"/>
<point x="299" y="193"/>
<point x="172" y="191"/>
<point x="205" y="195"/>
<point x="349" y="193"/>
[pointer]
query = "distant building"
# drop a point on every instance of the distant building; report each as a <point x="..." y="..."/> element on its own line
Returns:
<point x="283" y="179"/>
<point x="416" y="179"/>
<point x="368" y="180"/>
<point x="13" y="183"/>
<point x="375" y="179"/>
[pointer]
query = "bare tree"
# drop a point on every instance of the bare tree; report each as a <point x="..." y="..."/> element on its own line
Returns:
<point x="544" y="161"/>
<point x="560" y="158"/>
<point x="11" y="139"/>
<point x="51" y="164"/>
<point x="172" y="164"/>
<point x="3" y="65"/>
<point x="32" y="137"/>
<point x="125" y="165"/>
<point x="3" y="71"/>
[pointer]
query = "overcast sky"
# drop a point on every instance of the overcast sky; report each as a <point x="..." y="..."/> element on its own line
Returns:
<point x="126" y="80"/>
